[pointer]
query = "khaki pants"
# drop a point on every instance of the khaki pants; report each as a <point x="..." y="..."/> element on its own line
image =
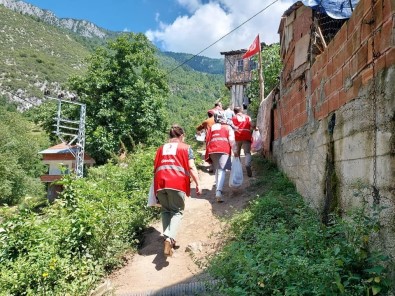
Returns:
<point x="173" y="205"/>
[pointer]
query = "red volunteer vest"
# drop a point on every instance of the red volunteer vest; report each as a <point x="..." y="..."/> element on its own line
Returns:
<point x="217" y="140"/>
<point x="171" y="168"/>
<point x="243" y="122"/>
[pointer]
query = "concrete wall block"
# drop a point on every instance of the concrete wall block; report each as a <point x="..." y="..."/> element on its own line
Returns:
<point x="384" y="142"/>
<point x="385" y="172"/>
<point x="354" y="194"/>
<point x="353" y="118"/>
<point x="388" y="82"/>
<point x="355" y="146"/>
<point x="390" y="57"/>
<point x="352" y="169"/>
<point x="319" y="138"/>
<point x="344" y="86"/>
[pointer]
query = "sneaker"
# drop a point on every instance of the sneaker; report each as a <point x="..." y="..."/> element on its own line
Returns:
<point x="218" y="196"/>
<point x="168" y="251"/>
<point x="249" y="171"/>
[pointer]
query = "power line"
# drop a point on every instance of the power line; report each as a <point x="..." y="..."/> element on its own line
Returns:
<point x="223" y="37"/>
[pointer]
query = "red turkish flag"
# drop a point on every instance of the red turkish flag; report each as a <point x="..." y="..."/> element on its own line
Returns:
<point x="254" y="48"/>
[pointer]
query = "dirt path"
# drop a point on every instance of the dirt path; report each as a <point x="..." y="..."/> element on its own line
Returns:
<point x="198" y="238"/>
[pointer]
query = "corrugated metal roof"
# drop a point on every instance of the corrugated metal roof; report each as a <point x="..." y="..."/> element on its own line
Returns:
<point x="233" y="52"/>
<point x="59" y="149"/>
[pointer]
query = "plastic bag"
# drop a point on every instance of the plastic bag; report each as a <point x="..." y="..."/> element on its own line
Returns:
<point x="152" y="201"/>
<point x="201" y="137"/>
<point x="236" y="173"/>
<point x="256" y="144"/>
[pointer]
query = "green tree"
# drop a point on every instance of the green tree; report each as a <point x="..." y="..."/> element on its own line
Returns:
<point x="124" y="91"/>
<point x="271" y="68"/>
<point x="20" y="164"/>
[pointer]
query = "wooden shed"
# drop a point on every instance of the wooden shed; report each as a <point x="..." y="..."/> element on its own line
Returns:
<point x="60" y="160"/>
<point x="238" y="73"/>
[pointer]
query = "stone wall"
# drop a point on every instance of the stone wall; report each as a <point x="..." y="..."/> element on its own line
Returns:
<point x="333" y="124"/>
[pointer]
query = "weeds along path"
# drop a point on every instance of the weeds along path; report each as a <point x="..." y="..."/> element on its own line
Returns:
<point x="200" y="235"/>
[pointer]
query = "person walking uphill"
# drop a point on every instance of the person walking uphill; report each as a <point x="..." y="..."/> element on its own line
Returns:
<point x="220" y="141"/>
<point x="173" y="167"/>
<point x="243" y="136"/>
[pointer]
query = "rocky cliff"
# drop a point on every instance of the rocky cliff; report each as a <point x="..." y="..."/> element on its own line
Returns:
<point x="81" y="27"/>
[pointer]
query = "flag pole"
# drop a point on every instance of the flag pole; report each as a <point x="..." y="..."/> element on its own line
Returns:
<point x="261" y="82"/>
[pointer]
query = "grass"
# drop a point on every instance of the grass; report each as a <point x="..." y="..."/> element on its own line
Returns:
<point x="278" y="246"/>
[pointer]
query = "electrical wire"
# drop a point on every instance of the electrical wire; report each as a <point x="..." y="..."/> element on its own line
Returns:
<point x="215" y="42"/>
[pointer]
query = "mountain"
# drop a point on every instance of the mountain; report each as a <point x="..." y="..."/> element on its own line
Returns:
<point x="89" y="30"/>
<point x="38" y="55"/>
<point x="81" y="27"/>
<point x="198" y="63"/>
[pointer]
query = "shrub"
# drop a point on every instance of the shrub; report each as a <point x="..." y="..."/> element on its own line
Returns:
<point x="72" y="243"/>
<point x="280" y="247"/>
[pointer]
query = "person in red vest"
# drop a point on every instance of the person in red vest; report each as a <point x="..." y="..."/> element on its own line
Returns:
<point x="243" y="136"/>
<point x="220" y="141"/>
<point x="217" y="107"/>
<point x="174" y="166"/>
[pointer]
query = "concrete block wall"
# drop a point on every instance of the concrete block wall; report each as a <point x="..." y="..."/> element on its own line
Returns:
<point x="327" y="108"/>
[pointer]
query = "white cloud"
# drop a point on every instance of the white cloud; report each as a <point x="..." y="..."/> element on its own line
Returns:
<point x="190" y="5"/>
<point x="208" y="22"/>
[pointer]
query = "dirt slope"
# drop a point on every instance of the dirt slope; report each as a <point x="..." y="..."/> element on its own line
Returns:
<point x="198" y="238"/>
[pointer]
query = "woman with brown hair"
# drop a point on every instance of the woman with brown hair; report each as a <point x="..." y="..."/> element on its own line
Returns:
<point x="174" y="166"/>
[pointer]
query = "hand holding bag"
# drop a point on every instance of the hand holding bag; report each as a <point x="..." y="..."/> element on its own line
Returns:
<point x="152" y="201"/>
<point x="236" y="173"/>
<point x="256" y="144"/>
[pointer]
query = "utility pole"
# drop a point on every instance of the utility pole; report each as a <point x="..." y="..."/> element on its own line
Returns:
<point x="75" y="130"/>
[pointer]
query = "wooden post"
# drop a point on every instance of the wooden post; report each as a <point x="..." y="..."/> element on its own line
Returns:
<point x="261" y="82"/>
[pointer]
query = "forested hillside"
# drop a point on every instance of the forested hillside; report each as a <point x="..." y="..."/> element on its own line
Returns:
<point x="20" y="164"/>
<point x="198" y="63"/>
<point x="191" y="93"/>
<point x="35" y="57"/>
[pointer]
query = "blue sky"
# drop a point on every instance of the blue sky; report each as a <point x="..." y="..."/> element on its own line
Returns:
<point x="180" y="25"/>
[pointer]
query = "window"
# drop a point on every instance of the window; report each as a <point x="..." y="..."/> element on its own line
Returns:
<point x="65" y="169"/>
<point x="240" y="66"/>
<point x="252" y="64"/>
